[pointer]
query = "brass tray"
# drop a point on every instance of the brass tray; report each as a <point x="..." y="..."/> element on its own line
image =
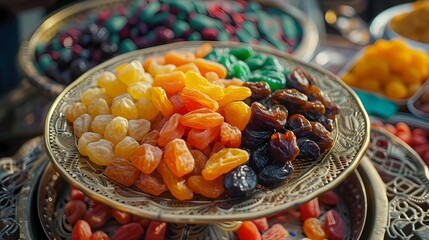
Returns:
<point x="54" y="23"/>
<point x="308" y="180"/>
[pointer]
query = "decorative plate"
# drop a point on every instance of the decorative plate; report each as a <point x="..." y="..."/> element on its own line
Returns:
<point x="406" y="177"/>
<point x="308" y="180"/>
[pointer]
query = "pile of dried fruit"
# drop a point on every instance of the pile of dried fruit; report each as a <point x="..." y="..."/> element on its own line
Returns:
<point x="390" y="68"/>
<point x="175" y="123"/>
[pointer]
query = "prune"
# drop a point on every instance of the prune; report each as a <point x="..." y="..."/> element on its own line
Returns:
<point x="273" y="118"/>
<point x="299" y="124"/>
<point x="272" y="176"/>
<point x="240" y="182"/>
<point x="290" y="98"/>
<point x="321" y="136"/>
<point x="327" y="123"/>
<point x="259" y="158"/>
<point x="298" y="80"/>
<point x="312" y="110"/>
<point x="308" y="149"/>
<point x="283" y="148"/>
<point x="252" y="139"/>
<point x="259" y="90"/>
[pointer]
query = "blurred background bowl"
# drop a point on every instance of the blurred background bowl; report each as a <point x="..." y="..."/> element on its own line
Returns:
<point x="407" y="16"/>
<point x="81" y="12"/>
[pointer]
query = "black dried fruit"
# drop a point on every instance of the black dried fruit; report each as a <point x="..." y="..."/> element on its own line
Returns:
<point x="272" y="176"/>
<point x="240" y="182"/>
<point x="253" y="139"/>
<point x="259" y="158"/>
<point x="327" y="123"/>
<point x="308" y="149"/>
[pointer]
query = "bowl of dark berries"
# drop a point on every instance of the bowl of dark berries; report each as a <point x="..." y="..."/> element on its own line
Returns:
<point x="81" y="36"/>
<point x="204" y="132"/>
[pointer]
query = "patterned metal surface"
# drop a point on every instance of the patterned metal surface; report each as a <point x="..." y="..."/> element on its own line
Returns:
<point x="308" y="180"/>
<point x="15" y="172"/>
<point x="407" y="185"/>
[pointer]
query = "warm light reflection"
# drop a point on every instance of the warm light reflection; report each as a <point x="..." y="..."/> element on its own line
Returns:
<point x="330" y="17"/>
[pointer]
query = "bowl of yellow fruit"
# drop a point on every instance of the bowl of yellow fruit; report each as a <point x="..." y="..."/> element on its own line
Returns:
<point x="390" y="68"/>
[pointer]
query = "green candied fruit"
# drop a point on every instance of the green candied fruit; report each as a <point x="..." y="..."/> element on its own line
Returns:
<point x="228" y="61"/>
<point x="242" y="53"/>
<point x="115" y="23"/>
<point x="214" y="55"/>
<point x="276" y="80"/>
<point x="241" y="70"/>
<point x="272" y="63"/>
<point x="195" y="36"/>
<point x="180" y="27"/>
<point x="40" y="49"/>
<point x="149" y="11"/>
<point x="127" y="45"/>
<point x="256" y="61"/>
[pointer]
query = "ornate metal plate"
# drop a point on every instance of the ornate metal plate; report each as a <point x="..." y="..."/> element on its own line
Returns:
<point x="309" y="179"/>
<point x="54" y="192"/>
<point x="46" y="30"/>
<point x="407" y="185"/>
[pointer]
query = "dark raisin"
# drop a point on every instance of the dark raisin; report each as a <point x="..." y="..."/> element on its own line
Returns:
<point x="327" y="123"/>
<point x="263" y="118"/>
<point x="253" y="139"/>
<point x="283" y="148"/>
<point x="259" y="158"/>
<point x="299" y="124"/>
<point x="259" y="90"/>
<point x="308" y="149"/>
<point x="272" y="176"/>
<point x="240" y="182"/>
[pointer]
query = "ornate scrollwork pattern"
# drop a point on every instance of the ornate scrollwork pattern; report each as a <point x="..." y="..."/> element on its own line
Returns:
<point x="15" y="172"/>
<point x="309" y="179"/>
<point x="407" y="185"/>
